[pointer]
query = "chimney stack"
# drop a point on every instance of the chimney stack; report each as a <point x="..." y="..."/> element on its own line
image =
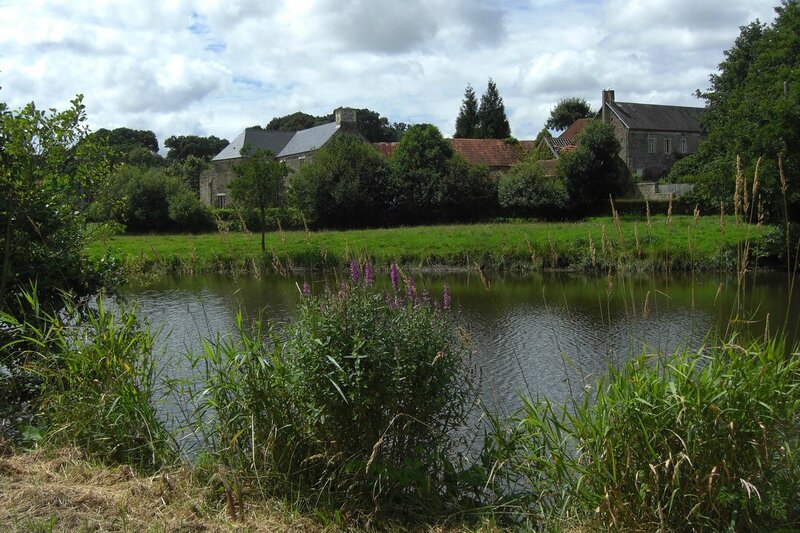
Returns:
<point x="345" y="116"/>
<point x="607" y="98"/>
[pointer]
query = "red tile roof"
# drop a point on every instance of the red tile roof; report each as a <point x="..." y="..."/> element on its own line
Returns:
<point x="494" y="153"/>
<point x="491" y="152"/>
<point x="386" y="149"/>
<point x="574" y="129"/>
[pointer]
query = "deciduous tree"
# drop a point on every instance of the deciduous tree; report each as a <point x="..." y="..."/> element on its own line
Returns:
<point x="593" y="170"/>
<point x="258" y="183"/>
<point x="47" y="175"/>
<point x="753" y="111"/>
<point x="567" y="111"/>
<point x="344" y="185"/>
<point x="182" y="146"/>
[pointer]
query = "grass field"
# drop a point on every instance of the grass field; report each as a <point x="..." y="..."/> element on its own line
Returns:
<point x="658" y="243"/>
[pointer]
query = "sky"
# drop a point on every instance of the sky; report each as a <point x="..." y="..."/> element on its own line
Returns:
<point x="205" y="67"/>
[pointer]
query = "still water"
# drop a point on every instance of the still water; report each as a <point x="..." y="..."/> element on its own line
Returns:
<point x="540" y="334"/>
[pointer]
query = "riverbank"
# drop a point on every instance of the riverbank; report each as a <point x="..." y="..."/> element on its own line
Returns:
<point x="658" y="243"/>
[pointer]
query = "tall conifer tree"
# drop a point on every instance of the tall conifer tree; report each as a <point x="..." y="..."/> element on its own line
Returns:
<point x="492" y="114"/>
<point x="467" y="122"/>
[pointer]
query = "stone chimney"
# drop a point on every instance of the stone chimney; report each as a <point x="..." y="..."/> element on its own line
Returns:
<point x="607" y="98"/>
<point x="345" y="116"/>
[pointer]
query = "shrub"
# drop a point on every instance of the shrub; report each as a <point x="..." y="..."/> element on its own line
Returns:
<point x="94" y="382"/>
<point x="358" y="400"/>
<point x="344" y="185"/>
<point x="525" y="190"/>
<point x="188" y="212"/>
<point x="701" y="441"/>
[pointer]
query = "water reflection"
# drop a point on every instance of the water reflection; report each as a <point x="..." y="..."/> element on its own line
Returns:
<point x="540" y="334"/>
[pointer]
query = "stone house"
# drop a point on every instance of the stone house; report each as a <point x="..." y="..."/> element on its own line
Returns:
<point x="292" y="148"/>
<point x="653" y="137"/>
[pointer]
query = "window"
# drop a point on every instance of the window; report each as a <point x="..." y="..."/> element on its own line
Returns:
<point x="220" y="200"/>
<point x="651" y="145"/>
<point x="667" y="146"/>
<point x="683" y="145"/>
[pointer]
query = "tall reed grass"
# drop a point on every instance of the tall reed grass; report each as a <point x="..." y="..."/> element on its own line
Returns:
<point x="356" y="404"/>
<point x="703" y="441"/>
<point x="94" y="377"/>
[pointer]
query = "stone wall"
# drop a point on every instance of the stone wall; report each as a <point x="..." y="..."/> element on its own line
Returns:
<point x="653" y="166"/>
<point x="214" y="182"/>
<point x="650" y="190"/>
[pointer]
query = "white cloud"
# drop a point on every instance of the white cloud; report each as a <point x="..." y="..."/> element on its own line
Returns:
<point x="208" y="67"/>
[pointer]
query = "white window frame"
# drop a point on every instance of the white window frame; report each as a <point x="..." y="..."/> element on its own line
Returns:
<point x="667" y="145"/>
<point x="221" y="200"/>
<point x="683" y="146"/>
<point x="651" y="145"/>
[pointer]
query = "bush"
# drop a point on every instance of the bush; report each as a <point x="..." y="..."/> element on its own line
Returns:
<point x="704" y="442"/>
<point x="526" y="191"/>
<point x="344" y="185"/>
<point x="188" y="212"/>
<point x="359" y="398"/>
<point x="92" y="380"/>
<point x="466" y="192"/>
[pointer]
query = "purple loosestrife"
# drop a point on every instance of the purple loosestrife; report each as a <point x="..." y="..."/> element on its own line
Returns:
<point x="369" y="275"/>
<point x="306" y="289"/>
<point x="411" y="290"/>
<point x="391" y="302"/>
<point x="395" y="275"/>
<point x="426" y="296"/>
<point x="355" y="274"/>
<point x="446" y="298"/>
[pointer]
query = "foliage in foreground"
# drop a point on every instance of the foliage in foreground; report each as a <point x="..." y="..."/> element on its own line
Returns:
<point x="355" y="404"/>
<point x="702" y="441"/>
<point x="93" y="377"/>
<point x="49" y="173"/>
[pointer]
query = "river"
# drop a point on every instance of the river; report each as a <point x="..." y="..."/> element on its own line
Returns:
<point x="544" y="334"/>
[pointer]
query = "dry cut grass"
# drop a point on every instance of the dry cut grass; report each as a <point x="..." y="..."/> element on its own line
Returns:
<point x="61" y="491"/>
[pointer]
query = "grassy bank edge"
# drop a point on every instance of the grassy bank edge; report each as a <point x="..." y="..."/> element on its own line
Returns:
<point x="656" y="244"/>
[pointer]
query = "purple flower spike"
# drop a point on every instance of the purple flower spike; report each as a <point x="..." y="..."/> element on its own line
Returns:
<point x="369" y="275"/>
<point x="395" y="275"/>
<point x="426" y="296"/>
<point x="446" y="298"/>
<point x="354" y="271"/>
<point x="306" y="289"/>
<point x="411" y="290"/>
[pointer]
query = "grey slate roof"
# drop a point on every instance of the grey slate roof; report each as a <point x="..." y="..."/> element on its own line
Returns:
<point x="309" y="139"/>
<point x="657" y="117"/>
<point x="274" y="141"/>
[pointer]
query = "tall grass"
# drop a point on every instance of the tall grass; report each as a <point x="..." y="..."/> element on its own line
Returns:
<point x="95" y="381"/>
<point x="355" y="405"/>
<point x="703" y="441"/>
<point x="699" y="440"/>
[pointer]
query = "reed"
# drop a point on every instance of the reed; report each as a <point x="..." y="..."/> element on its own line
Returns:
<point x="96" y="382"/>
<point x="354" y="405"/>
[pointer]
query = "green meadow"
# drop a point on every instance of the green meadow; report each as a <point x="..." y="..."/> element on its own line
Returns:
<point x="655" y="243"/>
